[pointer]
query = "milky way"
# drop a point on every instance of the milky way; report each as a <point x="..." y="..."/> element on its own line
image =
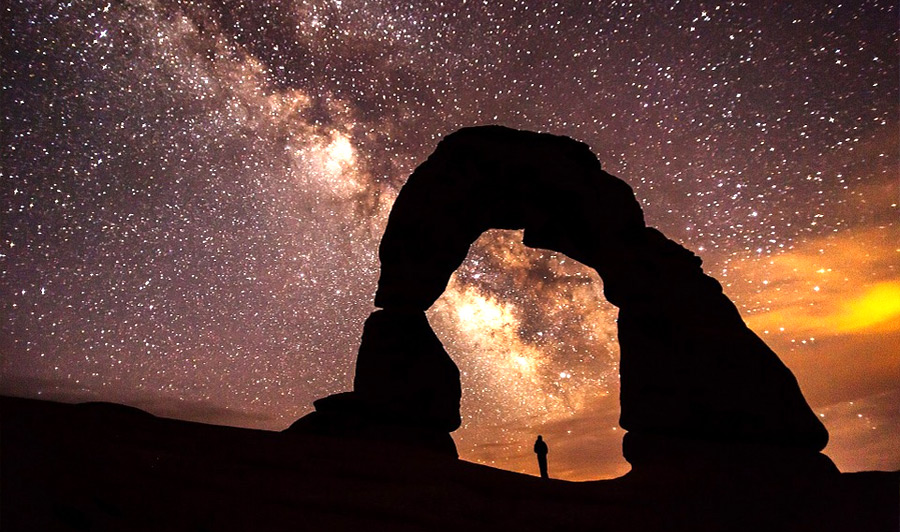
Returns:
<point x="193" y="195"/>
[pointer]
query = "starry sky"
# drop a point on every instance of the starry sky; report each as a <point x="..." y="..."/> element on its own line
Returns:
<point x="193" y="194"/>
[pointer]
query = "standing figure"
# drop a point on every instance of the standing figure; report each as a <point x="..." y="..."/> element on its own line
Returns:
<point x="541" y="450"/>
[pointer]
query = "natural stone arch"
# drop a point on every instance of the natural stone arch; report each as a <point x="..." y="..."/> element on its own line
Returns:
<point x="691" y="371"/>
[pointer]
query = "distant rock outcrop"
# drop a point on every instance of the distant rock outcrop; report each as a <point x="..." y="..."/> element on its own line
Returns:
<point x="693" y="376"/>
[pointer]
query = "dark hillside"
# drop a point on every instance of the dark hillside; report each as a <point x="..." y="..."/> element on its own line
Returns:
<point x="100" y="466"/>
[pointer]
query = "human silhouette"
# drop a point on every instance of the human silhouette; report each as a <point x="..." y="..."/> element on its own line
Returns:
<point x="541" y="450"/>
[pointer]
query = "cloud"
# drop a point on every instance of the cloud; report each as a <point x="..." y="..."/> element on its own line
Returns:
<point x="868" y="310"/>
<point x="836" y="285"/>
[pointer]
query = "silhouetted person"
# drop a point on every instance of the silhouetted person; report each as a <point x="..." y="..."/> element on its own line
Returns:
<point x="541" y="450"/>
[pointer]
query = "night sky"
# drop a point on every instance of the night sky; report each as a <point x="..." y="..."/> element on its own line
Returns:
<point x="193" y="195"/>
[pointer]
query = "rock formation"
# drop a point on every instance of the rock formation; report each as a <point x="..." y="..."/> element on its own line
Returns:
<point x="692" y="373"/>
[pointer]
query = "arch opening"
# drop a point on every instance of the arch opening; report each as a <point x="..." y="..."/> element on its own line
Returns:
<point x="535" y="342"/>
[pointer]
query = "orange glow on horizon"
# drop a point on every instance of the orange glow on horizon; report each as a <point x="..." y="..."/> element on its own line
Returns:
<point x="877" y="309"/>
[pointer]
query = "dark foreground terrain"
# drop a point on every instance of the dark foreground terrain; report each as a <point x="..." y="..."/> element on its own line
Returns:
<point x="101" y="466"/>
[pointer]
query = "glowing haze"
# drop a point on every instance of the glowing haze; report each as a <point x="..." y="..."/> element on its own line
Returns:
<point x="193" y="194"/>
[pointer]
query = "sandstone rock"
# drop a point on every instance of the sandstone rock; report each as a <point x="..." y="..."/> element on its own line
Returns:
<point x="406" y="388"/>
<point x="690" y="367"/>
<point x="693" y="376"/>
<point x="346" y="415"/>
<point x="403" y="371"/>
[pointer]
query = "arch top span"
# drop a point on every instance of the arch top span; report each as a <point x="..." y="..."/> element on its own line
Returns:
<point x="493" y="177"/>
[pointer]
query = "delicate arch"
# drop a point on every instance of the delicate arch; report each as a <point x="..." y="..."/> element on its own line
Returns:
<point x="690" y="368"/>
